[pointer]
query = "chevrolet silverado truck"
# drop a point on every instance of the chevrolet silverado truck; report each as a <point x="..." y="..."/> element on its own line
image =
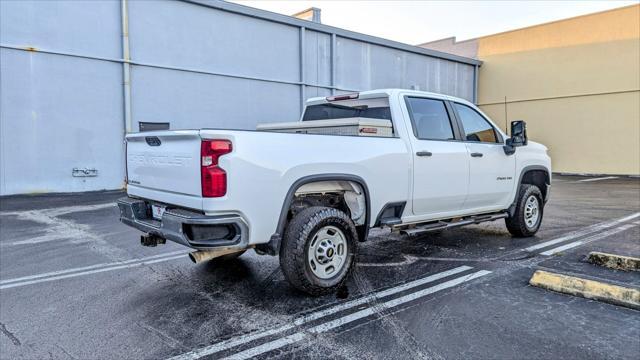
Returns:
<point x="311" y="197"/>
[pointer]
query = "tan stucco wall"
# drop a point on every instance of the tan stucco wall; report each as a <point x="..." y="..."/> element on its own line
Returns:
<point x="577" y="84"/>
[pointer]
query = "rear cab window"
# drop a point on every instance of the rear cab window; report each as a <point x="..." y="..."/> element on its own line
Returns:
<point x="374" y="108"/>
<point x="371" y="108"/>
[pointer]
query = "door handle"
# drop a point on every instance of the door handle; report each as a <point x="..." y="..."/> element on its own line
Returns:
<point x="476" y="154"/>
<point x="424" y="153"/>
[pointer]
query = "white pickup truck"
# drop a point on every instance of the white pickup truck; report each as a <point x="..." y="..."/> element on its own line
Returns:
<point x="309" y="198"/>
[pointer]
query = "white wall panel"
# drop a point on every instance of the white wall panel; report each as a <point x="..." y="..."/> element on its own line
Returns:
<point x="59" y="113"/>
<point x="208" y="64"/>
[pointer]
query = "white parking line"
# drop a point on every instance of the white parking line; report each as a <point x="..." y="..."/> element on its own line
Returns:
<point x="562" y="248"/>
<point x="330" y="325"/>
<point x="98" y="268"/>
<point x="62" y="210"/>
<point x="89" y="272"/>
<point x="233" y="342"/>
<point x="598" y="179"/>
<point x="86" y="270"/>
<point x="559" y="240"/>
<point x="408" y="260"/>
<point x="57" y="228"/>
<point x="589" y="230"/>
<point x="589" y="239"/>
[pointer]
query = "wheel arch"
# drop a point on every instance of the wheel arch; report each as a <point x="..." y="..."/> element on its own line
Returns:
<point x="536" y="175"/>
<point x="273" y="246"/>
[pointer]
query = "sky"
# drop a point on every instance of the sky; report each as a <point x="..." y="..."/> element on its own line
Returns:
<point x="416" y="22"/>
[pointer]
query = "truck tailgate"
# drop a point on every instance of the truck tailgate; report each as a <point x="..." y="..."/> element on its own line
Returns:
<point x="165" y="166"/>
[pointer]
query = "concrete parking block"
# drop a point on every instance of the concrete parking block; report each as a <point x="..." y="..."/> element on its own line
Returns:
<point x="589" y="289"/>
<point x="613" y="261"/>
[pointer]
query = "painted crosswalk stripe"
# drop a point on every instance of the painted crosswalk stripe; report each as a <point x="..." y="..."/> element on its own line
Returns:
<point x="237" y="341"/>
<point x="330" y="325"/>
<point x="589" y="230"/>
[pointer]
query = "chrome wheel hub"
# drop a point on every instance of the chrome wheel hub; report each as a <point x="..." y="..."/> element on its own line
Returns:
<point x="327" y="252"/>
<point x="531" y="211"/>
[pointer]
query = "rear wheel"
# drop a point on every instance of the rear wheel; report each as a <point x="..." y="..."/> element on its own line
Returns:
<point x="527" y="217"/>
<point x="318" y="250"/>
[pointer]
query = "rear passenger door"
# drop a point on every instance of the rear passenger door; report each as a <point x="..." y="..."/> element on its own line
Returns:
<point x="440" y="159"/>
<point x="491" y="171"/>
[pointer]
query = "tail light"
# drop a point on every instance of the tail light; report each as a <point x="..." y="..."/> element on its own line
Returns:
<point x="214" y="178"/>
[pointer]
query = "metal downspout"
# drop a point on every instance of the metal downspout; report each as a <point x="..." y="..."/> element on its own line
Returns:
<point x="126" y="67"/>
<point x="475" y="84"/>
<point x="334" y="44"/>
<point x="303" y="65"/>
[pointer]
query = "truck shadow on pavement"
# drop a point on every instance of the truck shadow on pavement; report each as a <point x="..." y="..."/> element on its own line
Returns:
<point x="475" y="242"/>
<point x="215" y="301"/>
<point x="222" y="299"/>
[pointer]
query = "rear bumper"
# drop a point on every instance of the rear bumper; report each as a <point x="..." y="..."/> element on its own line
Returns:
<point x="186" y="227"/>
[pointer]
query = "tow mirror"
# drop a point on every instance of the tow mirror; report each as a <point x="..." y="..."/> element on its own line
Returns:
<point x="518" y="133"/>
<point x="518" y="137"/>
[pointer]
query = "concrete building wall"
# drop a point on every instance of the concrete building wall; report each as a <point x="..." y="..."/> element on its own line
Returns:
<point x="577" y="84"/>
<point x="60" y="112"/>
<point x="193" y="64"/>
<point x="466" y="48"/>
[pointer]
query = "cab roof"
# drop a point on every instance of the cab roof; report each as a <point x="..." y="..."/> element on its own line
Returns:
<point x="369" y="94"/>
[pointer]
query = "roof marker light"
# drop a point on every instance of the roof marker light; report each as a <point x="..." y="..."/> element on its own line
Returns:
<point x="343" y="97"/>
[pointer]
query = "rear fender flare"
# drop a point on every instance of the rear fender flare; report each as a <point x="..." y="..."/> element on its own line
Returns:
<point x="273" y="246"/>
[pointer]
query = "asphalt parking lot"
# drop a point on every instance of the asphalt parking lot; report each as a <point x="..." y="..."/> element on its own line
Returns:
<point x="75" y="283"/>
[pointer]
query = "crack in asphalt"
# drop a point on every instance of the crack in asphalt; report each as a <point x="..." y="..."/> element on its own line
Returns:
<point x="66" y="352"/>
<point x="10" y="335"/>
<point x="165" y="338"/>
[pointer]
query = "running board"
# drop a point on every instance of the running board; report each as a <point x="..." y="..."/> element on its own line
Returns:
<point x="441" y="225"/>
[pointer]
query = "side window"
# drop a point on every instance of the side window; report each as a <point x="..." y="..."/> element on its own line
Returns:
<point x="476" y="128"/>
<point x="430" y="119"/>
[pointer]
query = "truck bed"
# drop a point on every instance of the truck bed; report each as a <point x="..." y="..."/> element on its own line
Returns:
<point x="261" y="169"/>
<point x="355" y="126"/>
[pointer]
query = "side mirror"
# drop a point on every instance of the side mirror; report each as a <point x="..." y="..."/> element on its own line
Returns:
<point x="518" y="133"/>
<point x="518" y="137"/>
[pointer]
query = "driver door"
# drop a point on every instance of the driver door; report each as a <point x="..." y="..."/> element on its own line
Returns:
<point x="491" y="171"/>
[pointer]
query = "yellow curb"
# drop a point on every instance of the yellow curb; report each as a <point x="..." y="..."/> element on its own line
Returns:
<point x="614" y="261"/>
<point x="618" y="295"/>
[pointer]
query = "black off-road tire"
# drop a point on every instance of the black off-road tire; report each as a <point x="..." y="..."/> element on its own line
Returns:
<point x="295" y="245"/>
<point x="516" y="224"/>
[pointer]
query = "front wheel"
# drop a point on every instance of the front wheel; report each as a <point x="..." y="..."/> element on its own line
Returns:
<point x="527" y="217"/>
<point x="318" y="250"/>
